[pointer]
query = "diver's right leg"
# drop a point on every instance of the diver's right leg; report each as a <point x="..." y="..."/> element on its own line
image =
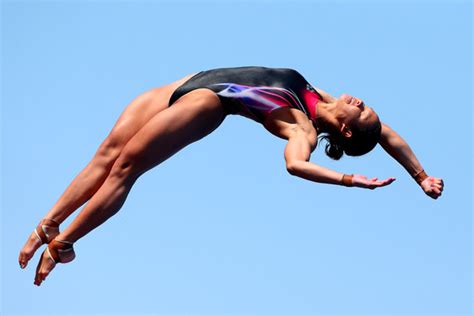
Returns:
<point x="90" y="179"/>
<point x="191" y="118"/>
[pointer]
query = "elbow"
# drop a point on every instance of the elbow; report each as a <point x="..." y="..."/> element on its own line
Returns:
<point x="292" y="168"/>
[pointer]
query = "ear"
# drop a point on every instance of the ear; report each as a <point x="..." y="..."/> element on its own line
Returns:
<point x="345" y="131"/>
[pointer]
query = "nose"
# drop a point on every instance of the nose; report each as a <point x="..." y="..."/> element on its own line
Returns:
<point x="352" y="100"/>
<point x="359" y="102"/>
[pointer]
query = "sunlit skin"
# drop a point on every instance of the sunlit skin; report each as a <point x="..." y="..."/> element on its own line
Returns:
<point x="349" y="109"/>
<point x="148" y="132"/>
<point x="352" y="110"/>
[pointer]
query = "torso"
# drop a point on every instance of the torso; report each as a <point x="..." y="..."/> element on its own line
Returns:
<point x="255" y="92"/>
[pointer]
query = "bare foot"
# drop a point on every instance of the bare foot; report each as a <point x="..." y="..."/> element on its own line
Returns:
<point x="45" y="266"/>
<point x="33" y="243"/>
<point x="56" y="252"/>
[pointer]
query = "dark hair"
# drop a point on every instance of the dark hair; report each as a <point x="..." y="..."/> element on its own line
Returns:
<point x="363" y="140"/>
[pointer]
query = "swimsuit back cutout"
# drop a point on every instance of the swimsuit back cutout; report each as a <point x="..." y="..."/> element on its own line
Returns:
<point x="255" y="92"/>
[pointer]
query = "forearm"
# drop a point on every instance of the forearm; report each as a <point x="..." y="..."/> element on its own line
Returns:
<point x="313" y="172"/>
<point x="399" y="149"/>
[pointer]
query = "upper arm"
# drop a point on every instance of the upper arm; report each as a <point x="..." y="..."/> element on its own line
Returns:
<point x="293" y="125"/>
<point x="390" y="140"/>
<point x="298" y="148"/>
<point x="385" y="135"/>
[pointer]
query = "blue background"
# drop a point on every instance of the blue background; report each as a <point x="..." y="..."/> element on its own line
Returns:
<point x="221" y="228"/>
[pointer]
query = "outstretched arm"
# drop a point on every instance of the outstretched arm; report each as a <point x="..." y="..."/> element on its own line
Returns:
<point x="293" y="125"/>
<point x="398" y="148"/>
<point x="297" y="154"/>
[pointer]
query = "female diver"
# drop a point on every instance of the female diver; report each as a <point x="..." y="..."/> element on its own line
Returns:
<point x="160" y="122"/>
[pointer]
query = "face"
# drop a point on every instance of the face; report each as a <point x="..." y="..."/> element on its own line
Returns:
<point x="353" y="111"/>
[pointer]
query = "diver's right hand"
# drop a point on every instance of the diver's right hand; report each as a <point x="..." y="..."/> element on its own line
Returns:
<point x="433" y="187"/>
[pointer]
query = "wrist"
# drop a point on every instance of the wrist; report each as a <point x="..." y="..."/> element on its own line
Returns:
<point x="346" y="180"/>
<point x="420" y="176"/>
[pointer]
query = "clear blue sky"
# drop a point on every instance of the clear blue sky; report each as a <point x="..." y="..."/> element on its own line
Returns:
<point x="221" y="228"/>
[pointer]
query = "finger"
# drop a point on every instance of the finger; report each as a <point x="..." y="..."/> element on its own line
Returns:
<point x="436" y="194"/>
<point x="374" y="179"/>
<point x="438" y="186"/>
<point x="385" y="182"/>
<point x="437" y="191"/>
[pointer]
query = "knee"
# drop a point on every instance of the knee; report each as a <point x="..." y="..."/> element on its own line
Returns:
<point x="126" y="166"/>
<point x="108" y="152"/>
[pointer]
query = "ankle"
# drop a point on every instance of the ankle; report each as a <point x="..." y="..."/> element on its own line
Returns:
<point x="61" y="251"/>
<point x="46" y="230"/>
<point x="51" y="232"/>
<point x="64" y="238"/>
<point x="51" y="222"/>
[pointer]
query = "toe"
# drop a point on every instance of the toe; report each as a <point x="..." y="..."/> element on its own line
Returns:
<point x="28" y="250"/>
<point x="23" y="258"/>
<point x="44" y="268"/>
<point x="38" y="279"/>
<point x="23" y="263"/>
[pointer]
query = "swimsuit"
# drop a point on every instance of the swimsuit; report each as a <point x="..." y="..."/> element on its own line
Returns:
<point x="254" y="92"/>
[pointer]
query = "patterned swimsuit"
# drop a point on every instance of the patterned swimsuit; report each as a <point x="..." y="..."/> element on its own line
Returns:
<point x="254" y="92"/>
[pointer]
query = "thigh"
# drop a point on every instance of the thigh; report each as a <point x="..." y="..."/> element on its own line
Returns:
<point x="139" y="112"/>
<point x="192" y="117"/>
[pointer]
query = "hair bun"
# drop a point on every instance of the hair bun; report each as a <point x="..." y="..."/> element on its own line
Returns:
<point x="334" y="150"/>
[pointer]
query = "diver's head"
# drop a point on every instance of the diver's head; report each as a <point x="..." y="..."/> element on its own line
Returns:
<point x="352" y="128"/>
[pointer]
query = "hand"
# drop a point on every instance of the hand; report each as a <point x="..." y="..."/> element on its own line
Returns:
<point x="433" y="187"/>
<point x="362" y="182"/>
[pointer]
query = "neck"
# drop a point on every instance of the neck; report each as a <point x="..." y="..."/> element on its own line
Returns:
<point x="325" y="118"/>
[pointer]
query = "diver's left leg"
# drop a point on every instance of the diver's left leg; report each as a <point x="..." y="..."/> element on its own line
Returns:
<point x="142" y="109"/>
<point x="192" y="117"/>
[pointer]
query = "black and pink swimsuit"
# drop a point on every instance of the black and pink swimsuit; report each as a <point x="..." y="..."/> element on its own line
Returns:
<point x="255" y="92"/>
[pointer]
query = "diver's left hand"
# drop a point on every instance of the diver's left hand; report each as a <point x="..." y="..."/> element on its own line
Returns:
<point x="361" y="181"/>
<point x="433" y="187"/>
